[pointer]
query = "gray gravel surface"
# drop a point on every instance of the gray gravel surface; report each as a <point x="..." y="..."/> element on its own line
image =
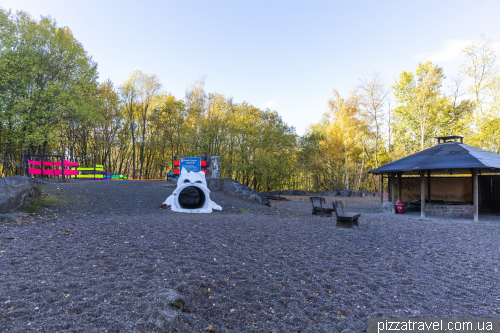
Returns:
<point x="99" y="264"/>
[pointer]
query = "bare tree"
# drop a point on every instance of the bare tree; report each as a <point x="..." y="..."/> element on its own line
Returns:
<point x="373" y="95"/>
<point x="389" y="106"/>
<point x="480" y="65"/>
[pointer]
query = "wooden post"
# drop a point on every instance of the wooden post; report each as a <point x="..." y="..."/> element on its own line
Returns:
<point x="475" y="196"/>
<point x="393" y="192"/>
<point x="399" y="185"/>
<point x="429" y="186"/>
<point x="381" y="188"/>
<point x="62" y="167"/>
<point x="422" y="194"/>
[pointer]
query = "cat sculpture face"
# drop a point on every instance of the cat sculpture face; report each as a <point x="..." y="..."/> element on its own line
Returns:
<point x="191" y="177"/>
<point x="192" y="194"/>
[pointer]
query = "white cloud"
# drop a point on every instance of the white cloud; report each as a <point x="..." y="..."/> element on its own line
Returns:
<point x="450" y="51"/>
<point x="269" y="104"/>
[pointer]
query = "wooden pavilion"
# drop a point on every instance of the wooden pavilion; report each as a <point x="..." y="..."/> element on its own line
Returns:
<point x="449" y="157"/>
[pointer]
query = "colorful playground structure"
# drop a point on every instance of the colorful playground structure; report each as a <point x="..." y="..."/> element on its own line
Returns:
<point x="94" y="173"/>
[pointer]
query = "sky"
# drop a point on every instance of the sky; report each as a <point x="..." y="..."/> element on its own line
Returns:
<point x="284" y="55"/>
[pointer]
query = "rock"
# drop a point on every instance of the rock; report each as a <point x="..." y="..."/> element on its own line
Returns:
<point x="299" y="192"/>
<point x="385" y="207"/>
<point x="358" y="194"/>
<point x="386" y="195"/>
<point x="14" y="191"/>
<point x="332" y="193"/>
<point x="174" y="307"/>
<point x="321" y="193"/>
<point x="229" y="185"/>
<point x="275" y="193"/>
<point x="367" y="194"/>
<point x="345" y="193"/>
<point x="286" y="192"/>
<point x="12" y="217"/>
<point x="173" y="299"/>
<point x="210" y="328"/>
<point x="262" y="200"/>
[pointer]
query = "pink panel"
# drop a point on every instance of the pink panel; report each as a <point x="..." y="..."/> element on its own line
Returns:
<point x="66" y="163"/>
<point x="70" y="164"/>
<point x="52" y="163"/>
<point x="33" y="171"/>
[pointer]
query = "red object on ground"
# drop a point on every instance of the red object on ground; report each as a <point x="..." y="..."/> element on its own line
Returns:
<point x="399" y="207"/>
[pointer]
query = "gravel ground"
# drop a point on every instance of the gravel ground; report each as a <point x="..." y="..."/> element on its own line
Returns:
<point x="99" y="263"/>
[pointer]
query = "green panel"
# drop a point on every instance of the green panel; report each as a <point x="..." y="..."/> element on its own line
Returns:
<point x="89" y="176"/>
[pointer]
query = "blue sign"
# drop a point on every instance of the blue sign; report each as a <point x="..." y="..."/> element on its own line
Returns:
<point x="190" y="164"/>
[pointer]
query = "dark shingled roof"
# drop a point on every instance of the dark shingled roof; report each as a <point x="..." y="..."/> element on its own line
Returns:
<point x="449" y="157"/>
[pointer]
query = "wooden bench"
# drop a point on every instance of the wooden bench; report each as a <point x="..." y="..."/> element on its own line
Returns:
<point x="319" y="207"/>
<point x="344" y="220"/>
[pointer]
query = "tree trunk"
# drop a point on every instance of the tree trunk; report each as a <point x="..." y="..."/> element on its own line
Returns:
<point x="376" y="145"/>
<point x="143" y="139"/>
<point x="3" y="153"/>
<point x="362" y="165"/>
<point x="346" y="172"/>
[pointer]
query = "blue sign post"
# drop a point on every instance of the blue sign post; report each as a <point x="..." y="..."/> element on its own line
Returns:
<point x="190" y="164"/>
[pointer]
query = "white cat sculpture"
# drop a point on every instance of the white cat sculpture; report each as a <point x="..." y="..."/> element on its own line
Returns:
<point x="191" y="183"/>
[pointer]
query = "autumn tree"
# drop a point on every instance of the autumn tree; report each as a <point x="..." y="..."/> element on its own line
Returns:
<point x="346" y="128"/>
<point x="47" y="78"/>
<point x="420" y="101"/>
<point x="148" y="88"/>
<point x="129" y="92"/>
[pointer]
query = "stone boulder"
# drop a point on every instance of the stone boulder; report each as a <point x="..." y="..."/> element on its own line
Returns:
<point x="333" y="193"/>
<point x="367" y="194"/>
<point x="286" y="192"/>
<point x="386" y="195"/>
<point x="321" y="193"/>
<point x="275" y="193"/>
<point x="345" y="193"/>
<point x="358" y="194"/>
<point x="12" y="217"/>
<point x="14" y="191"/>
<point x="385" y="207"/>
<point x="169" y="304"/>
<point x="299" y="192"/>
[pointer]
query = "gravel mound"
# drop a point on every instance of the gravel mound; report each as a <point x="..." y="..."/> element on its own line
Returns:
<point x="104" y="261"/>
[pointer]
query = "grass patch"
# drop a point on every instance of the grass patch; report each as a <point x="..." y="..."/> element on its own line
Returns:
<point x="34" y="204"/>
<point x="245" y="211"/>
